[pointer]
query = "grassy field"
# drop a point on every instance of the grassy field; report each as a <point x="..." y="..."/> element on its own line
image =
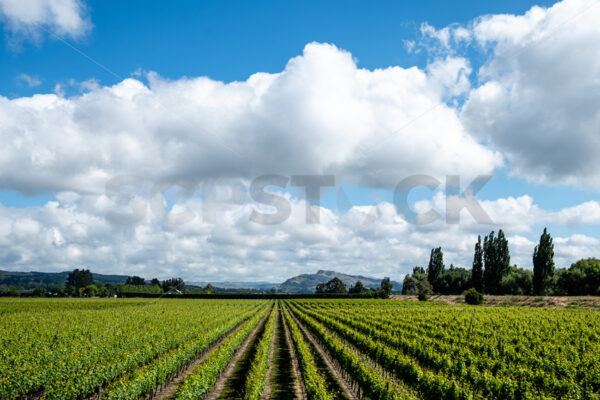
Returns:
<point x="316" y="349"/>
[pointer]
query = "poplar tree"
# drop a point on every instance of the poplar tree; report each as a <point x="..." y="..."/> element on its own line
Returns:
<point x="477" y="272"/>
<point x="543" y="263"/>
<point x="436" y="266"/>
<point x="497" y="261"/>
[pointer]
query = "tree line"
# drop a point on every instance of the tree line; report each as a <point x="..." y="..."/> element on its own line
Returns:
<point x="336" y="286"/>
<point x="492" y="273"/>
<point x="80" y="283"/>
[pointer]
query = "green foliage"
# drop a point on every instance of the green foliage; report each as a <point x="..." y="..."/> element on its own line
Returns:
<point x="90" y="291"/>
<point x="255" y="382"/>
<point x="385" y="289"/>
<point x="412" y="282"/>
<point x="357" y="288"/>
<point x="582" y="278"/>
<point x="473" y="297"/>
<point x="335" y="285"/>
<point x="477" y="272"/>
<point x="518" y="281"/>
<point x="314" y="382"/>
<point x="424" y="290"/>
<point x="79" y="279"/>
<point x="543" y="264"/>
<point x="204" y="376"/>
<point x="497" y="261"/>
<point x="83" y="344"/>
<point x="453" y="281"/>
<point x="436" y="265"/>
<point x="139" y="289"/>
<point x="450" y="352"/>
<point x="208" y="289"/>
<point x="135" y="280"/>
<point x="173" y="284"/>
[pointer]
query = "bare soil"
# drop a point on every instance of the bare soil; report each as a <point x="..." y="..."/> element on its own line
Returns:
<point x="329" y="367"/>
<point x="299" y="389"/>
<point x="230" y="384"/>
<point x="527" y="301"/>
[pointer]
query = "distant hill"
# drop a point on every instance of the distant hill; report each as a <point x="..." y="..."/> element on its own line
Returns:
<point x="32" y="280"/>
<point x="306" y="283"/>
<point x="226" y="285"/>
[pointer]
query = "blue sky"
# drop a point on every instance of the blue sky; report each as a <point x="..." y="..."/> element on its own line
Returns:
<point x="230" y="41"/>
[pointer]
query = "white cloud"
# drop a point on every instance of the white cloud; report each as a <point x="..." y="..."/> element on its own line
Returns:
<point x="32" y="17"/>
<point x="29" y="80"/>
<point x="321" y="114"/>
<point x="374" y="241"/>
<point x="539" y="102"/>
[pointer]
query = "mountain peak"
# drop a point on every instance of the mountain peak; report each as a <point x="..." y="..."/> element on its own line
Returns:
<point x="326" y="272"/>
<point x="306" y="283"/>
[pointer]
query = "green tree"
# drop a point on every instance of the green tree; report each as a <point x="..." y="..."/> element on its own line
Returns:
<point x="496" y="259"/>
<point x="320" y="287"/>
<point x="436" y="266"/>
<point x="90" y="290"/>
<point x="155" y="282"/>
<point x="582" y="278"/>
<point x="473" y="297"/>
<point x="543" y="264"/>
<point x="424" y="290"/>
<point x="357" y="288"/>
<point x="57" y="290"/>
<point x="173" y="284"/>
<point x="135" y="280"/>
<point x="454" y="281"/>
<point x="79" y="278"/>
<point x="335" y="286"/>
<point x="518" y="281"/>
<point x="385" y="289"/>
<point x="477" y="272"/>
<point x="412" y="282"/>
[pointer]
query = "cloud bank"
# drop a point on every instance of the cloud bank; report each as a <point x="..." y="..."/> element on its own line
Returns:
<point x="31" y="18"/>
<point x="320" y="115"/>
<point x="533" y="107"/>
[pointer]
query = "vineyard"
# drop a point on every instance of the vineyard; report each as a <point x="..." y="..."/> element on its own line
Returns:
<point x="303" y="349"/>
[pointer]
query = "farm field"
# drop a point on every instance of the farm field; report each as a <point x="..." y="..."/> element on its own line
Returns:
<point x="294" y="349"/>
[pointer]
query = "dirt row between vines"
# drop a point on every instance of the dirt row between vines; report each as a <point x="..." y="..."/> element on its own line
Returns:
<point x="349" y="389"/>
<point x="168" y="390"/>
<point x="177" y="377"/>
<point x="267" y="390"/>
<point x="281" y="382"/>
<point x="399" y="384"/>
<point x="230" y="378"/>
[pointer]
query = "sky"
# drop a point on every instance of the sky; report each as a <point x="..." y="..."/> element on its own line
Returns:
<point x="253" y="141"/>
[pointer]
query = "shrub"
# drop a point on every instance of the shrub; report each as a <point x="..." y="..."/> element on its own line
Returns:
<point x="424" y="290"/>
<point x="472" y="296"/>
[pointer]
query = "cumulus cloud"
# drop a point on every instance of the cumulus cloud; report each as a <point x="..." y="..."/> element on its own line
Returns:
<point x="29" y="80"/>
<point x="539" y="100"/>
<point x="369" y="240"/>
<point x="320" y="115"/>
<point x="31" y="18"/>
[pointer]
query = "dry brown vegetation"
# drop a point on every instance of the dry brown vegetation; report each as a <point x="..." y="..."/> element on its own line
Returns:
<point x="529" y="301"/>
